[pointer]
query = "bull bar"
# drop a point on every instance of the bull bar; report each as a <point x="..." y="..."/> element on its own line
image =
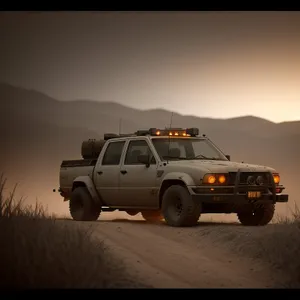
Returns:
<point x="236" y="197"/>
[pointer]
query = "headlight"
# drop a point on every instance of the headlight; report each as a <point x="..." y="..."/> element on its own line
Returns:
<point x="276" y="178"/>
<point x="214" y="179"/>
<point x="222" y="179"/>
<point x="211" y="179"/>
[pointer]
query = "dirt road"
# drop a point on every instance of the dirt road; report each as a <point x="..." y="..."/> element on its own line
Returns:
<point x="166" y="257"/>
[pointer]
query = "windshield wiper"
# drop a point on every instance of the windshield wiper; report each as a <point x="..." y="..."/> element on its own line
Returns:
<point x="172" y="157"/>
<point x="201" y="156"/>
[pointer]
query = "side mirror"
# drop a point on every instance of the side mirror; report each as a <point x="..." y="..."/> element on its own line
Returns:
<point x="144" y="159"/>
<point x="228" y="157"/>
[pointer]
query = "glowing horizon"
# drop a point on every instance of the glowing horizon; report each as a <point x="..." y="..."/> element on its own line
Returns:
<point x="212" y="64"/>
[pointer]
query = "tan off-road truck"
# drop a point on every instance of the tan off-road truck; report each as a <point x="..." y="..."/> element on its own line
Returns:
<point x="172" y="174"/>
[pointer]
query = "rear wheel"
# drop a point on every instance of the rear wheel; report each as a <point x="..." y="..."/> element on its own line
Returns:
<point x="179" y="208"/>
<point x="257" y="216"/>
<point x="152" y="216"/>
<point x="82" y="207"/>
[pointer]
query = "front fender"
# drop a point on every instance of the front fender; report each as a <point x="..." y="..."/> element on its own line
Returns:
<point x="87" y="181"/>
<point x="183" y="177"/>
<point x="186" y="178"/>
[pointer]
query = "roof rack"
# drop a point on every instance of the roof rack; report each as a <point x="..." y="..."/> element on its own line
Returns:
<point x="157" y="132"/>
<point x="109" y="136"/>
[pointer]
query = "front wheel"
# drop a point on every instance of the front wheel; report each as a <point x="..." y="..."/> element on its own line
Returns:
<point x="257" y="216"/>
<point x="82" y="207"/>
<point x="179" y="208"/>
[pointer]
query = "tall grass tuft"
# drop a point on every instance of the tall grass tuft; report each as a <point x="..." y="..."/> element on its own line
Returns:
<point x="38" y="251"/>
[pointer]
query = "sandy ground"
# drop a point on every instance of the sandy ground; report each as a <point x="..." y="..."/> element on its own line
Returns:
<point x="166" y="257"/>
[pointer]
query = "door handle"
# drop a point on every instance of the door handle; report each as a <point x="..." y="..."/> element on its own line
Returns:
<point x="123" y="172"/>
<point x="100" y="172"/>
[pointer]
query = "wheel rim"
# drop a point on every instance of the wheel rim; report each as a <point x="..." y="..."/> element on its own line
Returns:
<point x="254" y="216"/>
<point x="257" y="212"/>
<point x="176" y="207"/>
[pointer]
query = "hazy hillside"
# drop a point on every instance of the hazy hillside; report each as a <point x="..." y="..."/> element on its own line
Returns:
<point x="104" y="116"/>
<point x="38" y="132"/>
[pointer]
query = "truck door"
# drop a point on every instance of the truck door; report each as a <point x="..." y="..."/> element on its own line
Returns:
<point x="137" y="182"/>
<point x="107" y="172"/>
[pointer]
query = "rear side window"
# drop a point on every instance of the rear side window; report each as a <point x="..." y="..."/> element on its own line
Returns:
<point x="113" y="153"/>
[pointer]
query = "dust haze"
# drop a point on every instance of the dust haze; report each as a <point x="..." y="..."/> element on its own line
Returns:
<point x="66" y="77"/>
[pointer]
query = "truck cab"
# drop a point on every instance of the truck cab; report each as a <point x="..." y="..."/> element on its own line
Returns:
<point x="172" y="174"/>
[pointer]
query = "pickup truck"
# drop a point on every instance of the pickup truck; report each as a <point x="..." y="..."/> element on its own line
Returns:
<point x="170" y="174"/>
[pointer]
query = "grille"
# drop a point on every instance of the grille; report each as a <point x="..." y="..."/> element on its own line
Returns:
<point x="245" y="175"/>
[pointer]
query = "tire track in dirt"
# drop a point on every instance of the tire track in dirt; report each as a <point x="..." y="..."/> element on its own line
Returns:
<point x="152" y="253"/>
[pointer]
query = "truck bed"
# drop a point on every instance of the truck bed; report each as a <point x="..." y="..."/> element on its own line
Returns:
<point x="78" y="163"/>
<point x="70" y="169"/>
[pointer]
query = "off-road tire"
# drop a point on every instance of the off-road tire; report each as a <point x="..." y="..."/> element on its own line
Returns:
<point x="178" y="207"/>
<point x="82" y="207"/>
<point x="257" y="216"/>
<point x="152" y="215"/>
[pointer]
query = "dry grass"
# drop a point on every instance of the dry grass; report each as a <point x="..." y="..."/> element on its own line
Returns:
<point x="39" y="252"/>
<point x="277" y="245"/>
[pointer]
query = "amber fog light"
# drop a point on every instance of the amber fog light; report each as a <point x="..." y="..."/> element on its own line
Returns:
<point x="276" y="178"/>
<point x="222" y="179"/>
<point x="214" y="178"/>
<point x="209" y="179"/>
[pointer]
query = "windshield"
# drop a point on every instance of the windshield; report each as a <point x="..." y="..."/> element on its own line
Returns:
<point x="186" y="148"/>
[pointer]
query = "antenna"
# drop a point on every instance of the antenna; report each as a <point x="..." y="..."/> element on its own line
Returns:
<point x="170" y="137"/>
<point x="171" y="119"/>
<point x="120" y="126"/>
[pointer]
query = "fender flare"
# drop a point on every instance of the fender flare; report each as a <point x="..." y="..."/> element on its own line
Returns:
<point x="88" y="183"/>
<point x="184" y="177"/>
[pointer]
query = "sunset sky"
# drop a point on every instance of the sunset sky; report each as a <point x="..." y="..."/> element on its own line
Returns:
<point x="215" y="64"/>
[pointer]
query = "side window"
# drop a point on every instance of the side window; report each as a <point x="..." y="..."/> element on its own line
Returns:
<point x="113" y="153"/>
<point x="136" y="148"/>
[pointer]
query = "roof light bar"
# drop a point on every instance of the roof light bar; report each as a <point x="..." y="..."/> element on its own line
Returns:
<point x="157" y="132"/>
<point x="174" y="132"/>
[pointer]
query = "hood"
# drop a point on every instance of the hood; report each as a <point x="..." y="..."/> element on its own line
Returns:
<point x="218" y="166"/>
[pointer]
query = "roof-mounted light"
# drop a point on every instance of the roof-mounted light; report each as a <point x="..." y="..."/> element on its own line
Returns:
<point x="174" y="132"/>
<point x="192" y="131"/>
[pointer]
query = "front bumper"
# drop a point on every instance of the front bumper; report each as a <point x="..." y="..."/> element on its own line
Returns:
<point x="239" y="199"/>
<point x="239" y="193"/>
